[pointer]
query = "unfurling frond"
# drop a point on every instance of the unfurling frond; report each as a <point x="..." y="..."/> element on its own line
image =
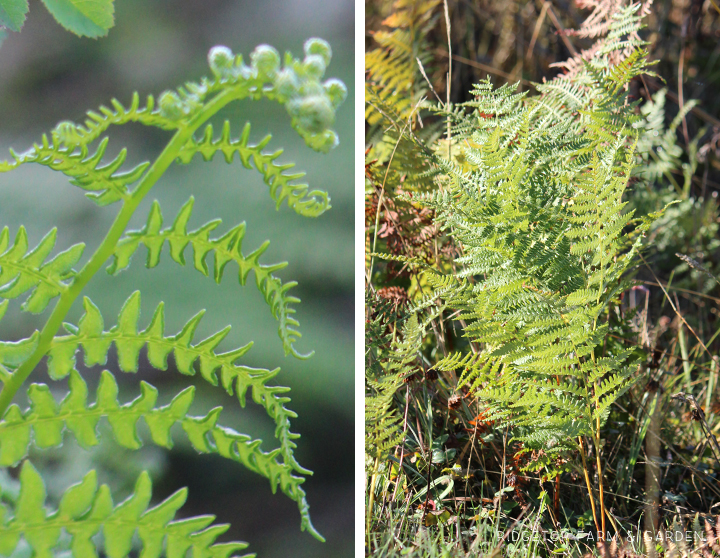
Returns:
<point x="225" y="249"/>
<point x="281" y="183"/>
<point x="86" y="509"/>
<point x="310" y="103"/>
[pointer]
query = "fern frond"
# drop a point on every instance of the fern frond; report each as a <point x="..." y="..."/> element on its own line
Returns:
<point x="86" y="509"/>
<point x="310" y="102"/>
<point x="304" y="202"/>
<point x="382" y="423"/>
<point x="392" y="68"/>
<point x="235" y="378"/>
<point x="105" y="184"/>
<point x="22" y="271"/>
<point x="47" y="421"/>
<point x="225" y="249"/>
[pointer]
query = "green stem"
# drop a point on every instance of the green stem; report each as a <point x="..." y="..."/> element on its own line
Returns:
<point x="371" y="502"/>
<point x="107" y="247"/>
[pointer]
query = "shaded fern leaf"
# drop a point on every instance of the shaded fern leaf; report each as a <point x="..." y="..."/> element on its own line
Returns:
<point x="225" y="249"/>
<point x="309" y="204"/>
<point x="389" y="365"/>
<point x="22" y="271"/>
<point x="47" y="421"/>
<point x="214" y="367"/>
<point x="392" y="67"/>
<point x="86" y="509"/>
<point x="105" y="184"/>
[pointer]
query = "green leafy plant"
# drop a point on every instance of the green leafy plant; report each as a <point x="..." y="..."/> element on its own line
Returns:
<point x="86" y="18"/>
<point x="77" y="151"/>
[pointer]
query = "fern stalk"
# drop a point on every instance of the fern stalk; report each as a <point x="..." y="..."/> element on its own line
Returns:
<point x="371" y="501"/>
<point x="588" y="484"/>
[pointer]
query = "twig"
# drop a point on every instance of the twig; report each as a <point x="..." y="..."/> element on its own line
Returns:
<point x="510" y="529"/>
<point x="536" y="31"/>
<point x="699" y="415"/>
<point x="672" y="288"/>
<point x="481" y="66"/>
<point x="449" y="74"/>
<point x="422" y="71"/>
<point x="561" y="31"/>
<point x="402" y="446"/>
<point x="674" y="307"/>
<point x="695" y="110"/>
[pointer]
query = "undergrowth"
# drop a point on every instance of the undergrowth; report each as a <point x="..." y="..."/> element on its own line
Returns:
<point x="541" y="301"/>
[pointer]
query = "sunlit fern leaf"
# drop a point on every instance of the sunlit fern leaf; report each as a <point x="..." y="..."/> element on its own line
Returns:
<point x="87" y="509"/>
<point x="546" y="247"/>
<point x="225" y="249"/>
<point x="22" y="271"/>
<point x="392" y="67"/>
<point x="281" y="183"/>
<point x="44" y="422"/>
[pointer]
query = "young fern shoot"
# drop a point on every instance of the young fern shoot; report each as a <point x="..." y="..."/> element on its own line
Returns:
<point x="77" y="151"/>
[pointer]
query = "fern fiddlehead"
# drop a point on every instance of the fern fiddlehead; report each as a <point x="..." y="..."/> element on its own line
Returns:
<point x="311" y="105"/>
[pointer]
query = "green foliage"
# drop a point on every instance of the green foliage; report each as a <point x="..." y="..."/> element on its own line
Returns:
<point x="70" y="149"/>
<point x="86" y="508"/>
<point x="225" y="249"/>
<point x="86" y="18"/>
<point x="392" y="69"/>
<point x="390" y="361"/>
<point x="550" y="333"/>
<point x="535" y="202"/>
<point x="545" y="238"/>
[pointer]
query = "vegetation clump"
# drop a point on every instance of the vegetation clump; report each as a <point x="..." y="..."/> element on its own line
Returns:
<point x="519" y="369"/>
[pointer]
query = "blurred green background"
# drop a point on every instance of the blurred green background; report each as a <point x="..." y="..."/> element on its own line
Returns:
<point x="48" y="75"/>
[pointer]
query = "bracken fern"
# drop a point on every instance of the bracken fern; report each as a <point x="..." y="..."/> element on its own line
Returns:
<point x="533" y="196"/>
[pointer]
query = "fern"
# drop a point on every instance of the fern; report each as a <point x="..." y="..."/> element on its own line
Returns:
<point x="225" y="249"/>
<point x="547" y="245"/>
<point x="389" y="362"/>
<point x="22" y="271"/>
<point x="77" y="151"/>
<point x="86" y="508"/>
<point x="392" y="68"/>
